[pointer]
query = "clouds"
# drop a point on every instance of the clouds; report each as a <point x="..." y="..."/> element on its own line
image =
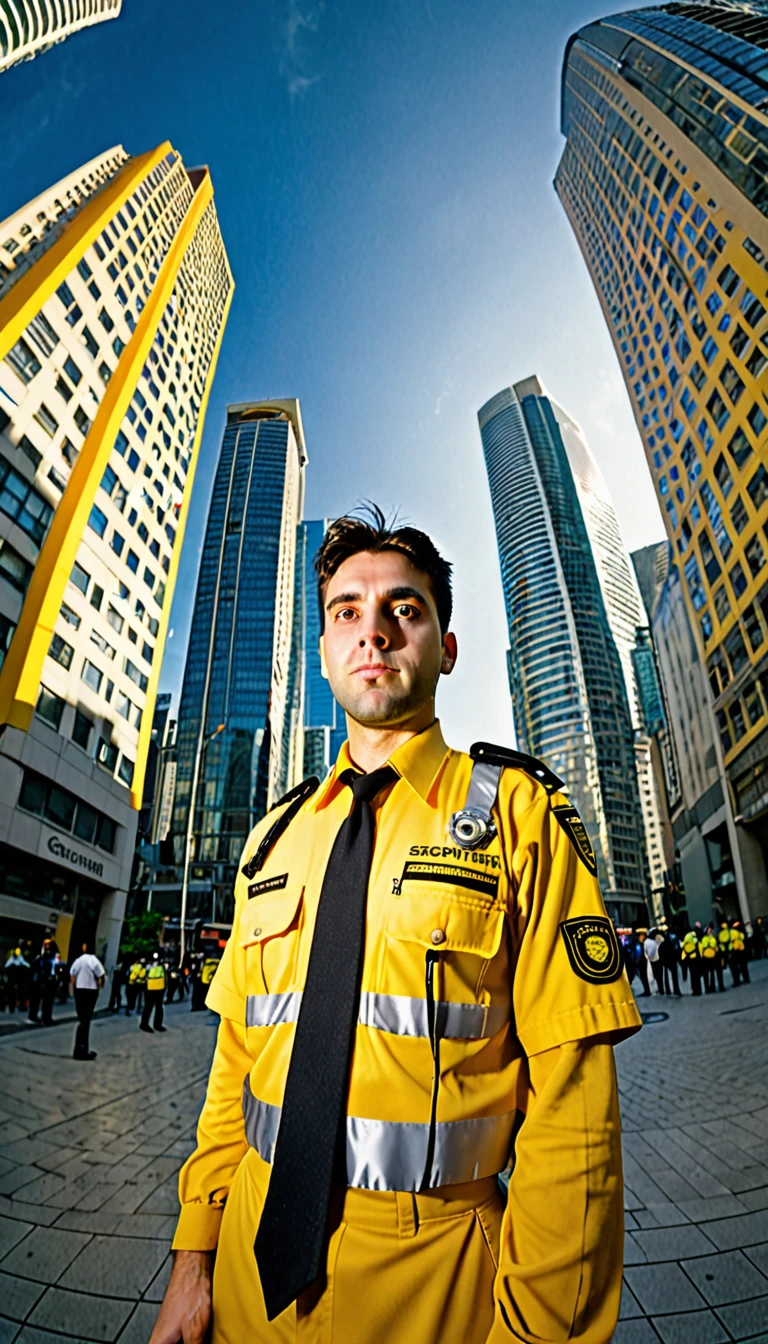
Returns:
<point x="299" y="24"/>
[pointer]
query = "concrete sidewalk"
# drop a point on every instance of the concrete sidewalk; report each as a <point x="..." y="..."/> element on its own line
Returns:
<point x="89" y="1157"/>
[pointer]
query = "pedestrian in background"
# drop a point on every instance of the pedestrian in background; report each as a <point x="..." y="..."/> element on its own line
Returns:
<point x="738" y="954"/>
<point x="154" y="993"/>
<point x="759" y="940"/>
<point x="43" y="987"/>
<point x="651" y="950"/>
<point x="691" y="961"/>
<point x="87" y="975"/>
<point x="669" y="954"/>
<point x="641" y="962"/>
<point x="118" y="979"/>
<point x="16" y="979"/>
<point x="710" y="958"/>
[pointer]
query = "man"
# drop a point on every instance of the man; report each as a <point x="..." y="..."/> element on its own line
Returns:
<point x="651" y="951"/>
<point x="118" y="979"/>
<point x="154" y="993"/>
<point x="738" y="954"/>
<point x="16" y="979"/>
<point x="724" y="952"/>
<point x="402" y="1004"/>
<point x="642" y="961"/>
<point x="86" y="976"/>
<point x="43" y="989"/>
<point x="669" y="952"/>
<point x="709" y="958"/>
<point x="692" y="961"/>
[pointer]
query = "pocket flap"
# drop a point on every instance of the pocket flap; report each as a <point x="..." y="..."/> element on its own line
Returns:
<point x="437" y="917"/>
<point x="268" y="917"/>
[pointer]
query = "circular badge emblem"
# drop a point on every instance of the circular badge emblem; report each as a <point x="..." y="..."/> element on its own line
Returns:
<point x="597" y="949"/>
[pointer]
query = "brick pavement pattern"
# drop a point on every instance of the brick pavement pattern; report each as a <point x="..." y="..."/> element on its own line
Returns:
<point x="89" y="1156"/>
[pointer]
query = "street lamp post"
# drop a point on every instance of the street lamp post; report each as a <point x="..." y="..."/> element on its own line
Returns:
<point x="202" y="747"/>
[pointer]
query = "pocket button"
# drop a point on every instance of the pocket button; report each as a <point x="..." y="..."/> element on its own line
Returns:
<point x="438" y="936"/>
<point x="256" y="932"/>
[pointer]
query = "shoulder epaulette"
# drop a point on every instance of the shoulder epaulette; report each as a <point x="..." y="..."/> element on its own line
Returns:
<point x="487" y="753"/>
<point x="295" y="799"/>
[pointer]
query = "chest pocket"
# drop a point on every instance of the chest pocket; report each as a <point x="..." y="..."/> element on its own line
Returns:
<point x="270" y="935"/>
<point x="465" y="934"/>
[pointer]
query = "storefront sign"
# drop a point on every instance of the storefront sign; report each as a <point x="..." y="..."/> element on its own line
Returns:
<point x="60" y="850"/>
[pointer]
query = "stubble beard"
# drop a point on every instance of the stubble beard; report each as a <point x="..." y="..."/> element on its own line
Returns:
<point x="390" y="709"/>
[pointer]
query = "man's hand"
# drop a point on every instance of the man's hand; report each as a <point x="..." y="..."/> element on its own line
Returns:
<point x="186" y="1311"/>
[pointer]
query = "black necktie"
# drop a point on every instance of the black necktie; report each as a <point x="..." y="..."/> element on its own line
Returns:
<point x="291" y="1240"/>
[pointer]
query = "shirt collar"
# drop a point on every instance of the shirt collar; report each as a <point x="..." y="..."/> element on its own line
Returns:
<point x="418" y="761"/>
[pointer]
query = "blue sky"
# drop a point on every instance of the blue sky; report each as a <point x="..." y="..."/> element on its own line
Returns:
<point x="383" y="177"/>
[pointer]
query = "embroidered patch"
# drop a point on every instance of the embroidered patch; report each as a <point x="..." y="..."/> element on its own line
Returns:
<point x="473" y="880"/>
<point x="593" y="948"/>
<point x="577" y="834"/>
<point x="268" y="884"/>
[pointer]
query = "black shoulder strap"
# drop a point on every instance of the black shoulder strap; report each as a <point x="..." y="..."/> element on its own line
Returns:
<point x="503" y="756"/>
<point x="295" y="799"/>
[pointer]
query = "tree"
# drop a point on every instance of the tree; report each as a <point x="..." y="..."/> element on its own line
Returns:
<point x="141" y="934"/>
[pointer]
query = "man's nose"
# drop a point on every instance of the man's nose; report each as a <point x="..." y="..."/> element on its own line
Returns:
<point x="374" y="637"/>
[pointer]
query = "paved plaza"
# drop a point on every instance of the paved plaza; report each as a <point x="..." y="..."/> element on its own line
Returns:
<point x="89" y="1155"/>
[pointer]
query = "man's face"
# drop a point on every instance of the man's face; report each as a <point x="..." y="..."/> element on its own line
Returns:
<point x="382" y="644"/>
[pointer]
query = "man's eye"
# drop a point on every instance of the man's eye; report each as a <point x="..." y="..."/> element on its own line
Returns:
<point x="346" y="614"/>
<point x="404" y="609"/>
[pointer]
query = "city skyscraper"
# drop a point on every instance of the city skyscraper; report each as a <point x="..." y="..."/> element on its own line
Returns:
<point x="704" y="835"/>
<point x="663" y="179"/>
<point x="568" y="683"/>
<point x="324" y="723"/>
<point x="114" y="293"/>
<point x="239" y="736"/>
<point x="28" y="27"/>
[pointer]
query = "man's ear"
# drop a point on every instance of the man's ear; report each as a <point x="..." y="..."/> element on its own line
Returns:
<point x="450" y="653"/>
<point x="323" y="664"/>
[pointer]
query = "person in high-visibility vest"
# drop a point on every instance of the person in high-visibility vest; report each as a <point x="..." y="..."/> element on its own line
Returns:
<point x="154" y="993"/>
<point x="738" y="954"/>
<point x="132" y="987"/>
<point x="724" y="949"/>
<point x="689" y="953"/>
<point x="709" y="956"/>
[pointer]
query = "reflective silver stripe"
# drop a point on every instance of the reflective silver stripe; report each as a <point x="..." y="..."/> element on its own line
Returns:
<point x="408" y="1017"/>
<point x="269" y="1010"/>
<point x="483" y="787"/>
<point x="397" y="1013"/>
<point x="390" y="1155"/>
<point x="262" y="1122"/>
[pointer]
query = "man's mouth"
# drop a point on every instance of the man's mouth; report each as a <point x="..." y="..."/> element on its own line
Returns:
<point x="370" y="671"/>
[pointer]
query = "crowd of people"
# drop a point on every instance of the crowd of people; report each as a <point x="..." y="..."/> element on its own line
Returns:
<point x="33" y="981"/>
<point x="660" y="956"/>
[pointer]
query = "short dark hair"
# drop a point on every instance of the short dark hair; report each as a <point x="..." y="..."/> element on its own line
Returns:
<point x="367" y="529"/>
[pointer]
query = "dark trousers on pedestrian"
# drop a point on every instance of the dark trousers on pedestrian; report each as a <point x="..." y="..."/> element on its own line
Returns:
<point x="115" y="998"/>
<point x="642" y="971"/>
<point x="739" y="968"/>
<point x="153" y="1000"/>
<point x="41" y="1000"/>
<point x="658" y="975"/>
<point x="85" y="1003"/>
<point x="670" y="979"/>
<point x="695" y="970"/>
<point x="719" y="965"/>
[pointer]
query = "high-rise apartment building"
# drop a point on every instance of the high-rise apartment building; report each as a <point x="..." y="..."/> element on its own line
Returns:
<point x="324" y="723"/>
<point x="239" y="738"/>
<point x="114" y="293"/>
<point x="28" y="27"/>
<point x="568" y="682"/>
<point x="705" y="858"/>
<point x="663" y="178"/>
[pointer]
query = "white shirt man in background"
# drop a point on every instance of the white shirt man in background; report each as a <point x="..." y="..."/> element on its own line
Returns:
<point x="651" y="950"/>
<point x="86" y="977"/>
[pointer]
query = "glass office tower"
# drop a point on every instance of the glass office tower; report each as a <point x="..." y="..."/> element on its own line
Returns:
<point x="239" y="739"/>
<point x="114" y="292"/>
<point x="324" y="723"/>
<point x="28" y="27"/>
<point x="569" y="693"/>
<point x="663" y="178"/>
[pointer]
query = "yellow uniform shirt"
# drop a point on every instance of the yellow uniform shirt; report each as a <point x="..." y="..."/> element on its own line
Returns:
<point x="528" y="971"/>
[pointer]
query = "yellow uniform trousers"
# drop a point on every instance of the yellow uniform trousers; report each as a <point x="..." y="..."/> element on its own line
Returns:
<point x="400" y="1267"/>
